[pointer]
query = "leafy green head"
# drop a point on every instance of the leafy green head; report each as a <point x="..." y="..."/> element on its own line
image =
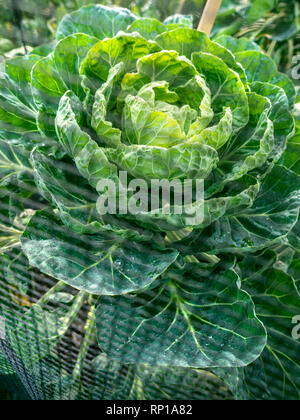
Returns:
<point x="159" y="101"/>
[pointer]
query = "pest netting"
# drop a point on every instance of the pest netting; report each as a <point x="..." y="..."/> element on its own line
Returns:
<point x="49" y="350"/>
<point x="48" y="343"/>
<point x="167" y="299"/>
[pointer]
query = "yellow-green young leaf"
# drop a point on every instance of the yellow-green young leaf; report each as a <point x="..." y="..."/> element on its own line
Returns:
<point x="227" y="89"/>
<point x="149" y="28"/>
<point x="215" y="136"/>
<point x="166" y="66"/>
<point x="192" y="161"/>
<point x="88" y="156"/>
<point x="125" y="48"/>
<point x="144" y="125"/>
<point x="186" y="41"/>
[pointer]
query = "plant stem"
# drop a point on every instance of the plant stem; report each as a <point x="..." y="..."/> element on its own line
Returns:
<point x="271" y="48"/>
<point x="85" y="345"/>
<point x="55" y="289"/>
<point x="210" y="258"/>
<point x="71" y="315"/>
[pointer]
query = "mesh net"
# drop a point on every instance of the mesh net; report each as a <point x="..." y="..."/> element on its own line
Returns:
<point x="58" y="343"/>
<point x="49" y="351"/>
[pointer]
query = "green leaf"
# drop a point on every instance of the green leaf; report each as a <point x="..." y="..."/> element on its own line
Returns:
<point x="236" y="45"/>
<point x="259" y="9"/>
<point x="249" y="150"/>
<point x="99" y="264"/>
<point x="294" y="237"/>
<point x="188" y="41"/>
<point x="89" y="158"/>
<point x="149" y="28"/>
<point x="17" y="110"/>
<point x="270" y="218"/>
<point x="261" y="68"/>
<point x="61" y="184"/>
<point x="215" y="136"/>
<point x="17" y="274"/>
<point x="104" y="129"/>
<point x="187" y="160"/>
<point x="226" y="87"/>
<point x="185" y="21"/>
<point x="125" y="48"/>
<point x="291" y="156"/>
<point x="176" y="383"/>
<point x="166" y="66"/>
<point x="197" y="95"/>
<point x="280" y="115"/>
<point x="14" y="162"/>
<point x="57" y="73"/>
<point x="194" y="318"/>
<point x="277" y="303"/>
<point x="96" y="20"/>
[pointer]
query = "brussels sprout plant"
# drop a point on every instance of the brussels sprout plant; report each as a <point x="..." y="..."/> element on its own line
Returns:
<point x="158" y="101"/>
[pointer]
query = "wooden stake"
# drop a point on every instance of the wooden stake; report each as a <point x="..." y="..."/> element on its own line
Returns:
<point x="209" y="16"/>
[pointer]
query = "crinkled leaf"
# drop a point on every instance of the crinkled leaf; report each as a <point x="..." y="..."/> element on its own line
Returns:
<point x="249" y="149"/>
<point x="89" y="157"/>
<point x="187" y="41"/>
<point x="61" y="184"/>
<point x="280" y="115"/>
<point x="261" y="68"/>
<point x="226" y="87"/>
<point x="125" y="48"/>
<point x="57" y="73"/>
<point x="270" y="218"/>
<point x="166" y="66"/>
<point x="187" y="160"/>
